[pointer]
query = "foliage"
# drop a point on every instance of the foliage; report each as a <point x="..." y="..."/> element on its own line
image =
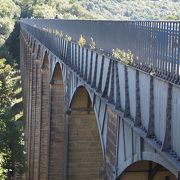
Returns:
<point x="133" y="10"/>
<point x="68" y="38"/>
<point x="11" y="144"/>
<point x="92" y="44"/>
<point x="25" y="6"/>
<point x="43" y="11"/>
<point x="6" y="27"/>
<point x="9" y="9"/>
<point x="13" y="46"/>
<point x="126" y="57"/>
<point x="81" y="41"/>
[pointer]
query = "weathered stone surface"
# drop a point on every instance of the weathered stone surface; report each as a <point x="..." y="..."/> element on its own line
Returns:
<point x="84" y="148"/>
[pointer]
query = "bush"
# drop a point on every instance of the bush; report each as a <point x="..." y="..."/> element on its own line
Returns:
<point x="43" y="11"/>
<point x="125" y="57"/>
<point x="81" y="41"/>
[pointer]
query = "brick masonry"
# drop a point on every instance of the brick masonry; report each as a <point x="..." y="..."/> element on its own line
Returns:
<point x="32" y="122"/>
<point x="57" y="133"/>
<point x="84" y="149"/>
<point x="44" y="125"/>
<point x="37" y="121"/>
<point x="57" y="142"/>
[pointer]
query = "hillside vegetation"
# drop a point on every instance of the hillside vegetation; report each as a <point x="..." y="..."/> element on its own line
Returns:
<point x="102" y="9"/>
<point x="134" y="9"/>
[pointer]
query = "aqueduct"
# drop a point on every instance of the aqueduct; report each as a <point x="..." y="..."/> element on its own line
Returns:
<point x="90" y="116"/>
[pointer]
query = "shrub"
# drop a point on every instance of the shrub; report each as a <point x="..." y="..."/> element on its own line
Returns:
<point x="92" y="44"/>
<point x="126" y="57"/>
<point x="68" y="38"/>
<point x="81" y="41"/>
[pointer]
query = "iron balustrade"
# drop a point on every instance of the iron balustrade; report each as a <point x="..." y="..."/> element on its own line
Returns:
<point x="154" y="44"/>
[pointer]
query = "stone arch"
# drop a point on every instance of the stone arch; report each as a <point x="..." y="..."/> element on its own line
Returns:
<point x="147" y="156"/>
<point x="57" y="157"/>
<point x="28" y="38"/>
<point x="57" y="73"/>
<point x="45" y="60"/>
<point x="80" y="84"/>
<point x="146" y="170"/>
<point x="85" y="156"/>
<point x="38" y="52"/>
<point x="31" y="43"/>
<point x="34" y="46"/>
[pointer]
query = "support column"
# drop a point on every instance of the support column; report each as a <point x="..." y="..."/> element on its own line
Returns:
<point x="32" y="122"/>
<point x="44" y="123"/>
<point x="112" y="145"/>
<point x="57" y="129"/>
<point x="37" y="120"/>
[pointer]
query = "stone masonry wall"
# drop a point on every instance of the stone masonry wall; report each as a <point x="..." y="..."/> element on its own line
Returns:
<point x="84" y="148"/>
<point x="44" y="125"/>
<point x="57" y="135"/>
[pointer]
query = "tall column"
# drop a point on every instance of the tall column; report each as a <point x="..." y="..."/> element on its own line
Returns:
<point x="57" y="129"/>
<point x="85" y="156"/>
<point x="44" y="123"/>
<point x="25" y="74"/>
<point x="37" y="120"/>
<point x="32" y="121"/>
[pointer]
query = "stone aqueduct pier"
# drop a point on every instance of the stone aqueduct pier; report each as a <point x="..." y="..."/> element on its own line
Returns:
<point x="91" y="117"/>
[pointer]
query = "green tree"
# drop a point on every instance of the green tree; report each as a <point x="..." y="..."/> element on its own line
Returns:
<point x="9" y="9"/>
<point x="6" y="27"/>
<point x="43" y="11"/>
<point x="11" y="142"/>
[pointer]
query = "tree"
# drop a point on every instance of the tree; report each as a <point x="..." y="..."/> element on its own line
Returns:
<point x="43" y="11"/>
<point x="6" y="27"/>
<point x="11" y="141"/>
<point x="9" y="9"/>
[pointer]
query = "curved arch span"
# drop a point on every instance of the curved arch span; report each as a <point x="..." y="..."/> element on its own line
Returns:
<point x="148" y="156"/>
<point x="95" y="111"/>
<point x="45" y="60"/>
<point x="73" y="94"/>
<point x="34" y="46"/>
<point x="145" y="170"/>
<point x="38" y="52"/>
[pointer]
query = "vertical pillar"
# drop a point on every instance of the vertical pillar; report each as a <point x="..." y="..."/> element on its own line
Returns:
<point x="44" y="123"/>
<point x="33" y="120"/>
<point x="37" y="120"/>
<point x="84" y="148"/>
<point x="29" y="107"/>
<point x="57" y="128"/>
<point x="28" y="104"/>
<point x="112" y="143"/>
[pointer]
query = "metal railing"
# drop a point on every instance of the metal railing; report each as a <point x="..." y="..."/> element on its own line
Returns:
<point x="155" y="44"/>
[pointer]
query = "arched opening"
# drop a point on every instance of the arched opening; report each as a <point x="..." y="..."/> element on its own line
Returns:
<point x="57" y="126"/>
<point x="31" y="44"/>
<point x="34" y="46"/>
<point x="39" y="53"/>
<point x="84" y="149"/>
<point x="43" y="160"/>
<point x="45" y="60"/>
<point x="146" y="170"/>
